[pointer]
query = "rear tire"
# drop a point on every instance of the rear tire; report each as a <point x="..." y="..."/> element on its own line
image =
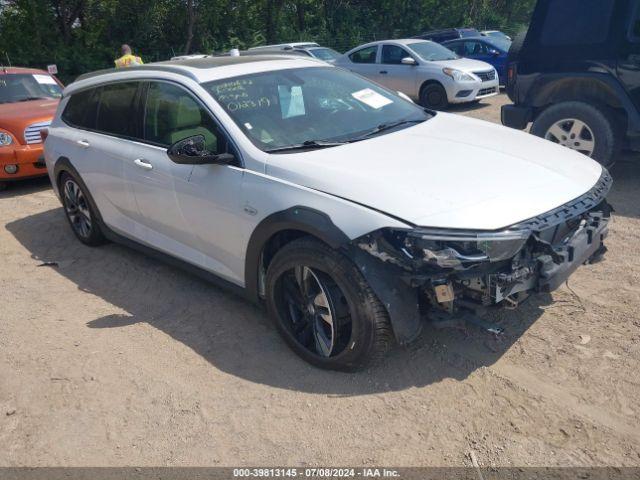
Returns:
<point x="434" y="96"/>
<point x="3" y="186"/>
<point x="324" y="308"/>
<point x="79" y="211"/>
<point x="591" y="130"/>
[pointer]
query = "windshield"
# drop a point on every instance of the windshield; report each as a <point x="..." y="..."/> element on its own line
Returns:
<point x="325" y="54"/>
<point x="432" y="52"/>
<point x="20" y="87"/>
<point x="315" y="104"/>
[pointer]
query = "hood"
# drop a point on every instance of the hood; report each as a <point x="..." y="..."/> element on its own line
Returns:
<point x="15" y="117"/>
<point x="448" y="172"/>
<point x="465" y="64"/>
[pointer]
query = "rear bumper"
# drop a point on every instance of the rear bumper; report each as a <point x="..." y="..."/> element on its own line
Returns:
<point x="28" y="158"/>
<point x="515" y="117"/>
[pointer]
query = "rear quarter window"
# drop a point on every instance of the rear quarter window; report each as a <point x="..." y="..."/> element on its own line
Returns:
<point x="577" y="22"/>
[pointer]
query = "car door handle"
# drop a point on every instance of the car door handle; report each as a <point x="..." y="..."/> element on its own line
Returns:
<point x="83" y="143"/>
<point x="384" y="72"/>
<point x="143" y="164"/>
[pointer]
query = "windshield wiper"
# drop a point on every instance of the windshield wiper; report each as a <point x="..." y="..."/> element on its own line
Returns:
<point x="384" y="127"/>
<point x="308" y="145"/>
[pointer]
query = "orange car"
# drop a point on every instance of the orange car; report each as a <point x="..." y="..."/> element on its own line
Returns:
<point x="28" y="101"/>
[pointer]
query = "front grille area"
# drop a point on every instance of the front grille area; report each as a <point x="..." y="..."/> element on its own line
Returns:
<point x="32" y="132"/>
<point x="486" y="76"/>
<point x="487" y="91"/>
<point x="570" y="210"/>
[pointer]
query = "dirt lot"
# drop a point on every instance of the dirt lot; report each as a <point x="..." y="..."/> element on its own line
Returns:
<point x="111" y="358"/>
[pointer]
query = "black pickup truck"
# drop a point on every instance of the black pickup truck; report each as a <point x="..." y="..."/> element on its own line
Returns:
<point x="576" y="75"/>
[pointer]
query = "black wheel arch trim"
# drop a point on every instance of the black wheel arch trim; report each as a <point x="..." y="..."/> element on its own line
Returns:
<point x="539" y="90"/>
<point x="304" y="219"/>
<point x="64" y="165"/>
<point x="398" y="297"/>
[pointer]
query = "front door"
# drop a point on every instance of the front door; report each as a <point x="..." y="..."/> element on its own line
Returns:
<point x="394" y="74"/>
<point x="184" y="210"/>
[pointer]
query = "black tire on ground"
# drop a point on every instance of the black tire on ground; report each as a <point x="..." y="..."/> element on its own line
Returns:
<point x="434" y="96"/>
<point x="361" y="320"/>
<point x="606" y="131"/>
<point x="3" y="186"/>
<point x="90" y="234"/>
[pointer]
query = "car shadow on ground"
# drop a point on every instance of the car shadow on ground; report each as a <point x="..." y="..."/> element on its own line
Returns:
<point x="625" y="194"/>
<point x="25" y="187"/>
<point x="235" y="336"/>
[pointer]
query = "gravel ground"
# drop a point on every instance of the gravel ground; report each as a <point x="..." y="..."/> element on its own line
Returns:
<point x="113" y="359"/>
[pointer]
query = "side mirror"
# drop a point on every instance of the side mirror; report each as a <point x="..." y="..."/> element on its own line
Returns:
<point x="192" y="151"/>
<point x="494" y="53"/>
<point x="408" y="61"/>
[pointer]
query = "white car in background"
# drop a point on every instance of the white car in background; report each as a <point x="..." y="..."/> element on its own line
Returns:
<point x="427" y="72"/>
<point x="350" y="212"/>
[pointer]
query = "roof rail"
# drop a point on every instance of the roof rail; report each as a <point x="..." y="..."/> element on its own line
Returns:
<point x="151" y="67"/>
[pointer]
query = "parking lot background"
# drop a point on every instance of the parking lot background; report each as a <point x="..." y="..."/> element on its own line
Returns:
<point x="109" y="358"/>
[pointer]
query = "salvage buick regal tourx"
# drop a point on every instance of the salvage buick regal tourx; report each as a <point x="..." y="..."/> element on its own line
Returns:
<point x="351" y="213"/>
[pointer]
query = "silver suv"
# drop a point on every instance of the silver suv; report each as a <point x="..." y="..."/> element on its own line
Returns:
<point x="347" y="210"/>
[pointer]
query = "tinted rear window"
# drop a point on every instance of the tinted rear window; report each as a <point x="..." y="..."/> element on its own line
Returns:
<point x="117" y="113"/>
<point x="577" y="22"/>
<point x="81" y="109"/>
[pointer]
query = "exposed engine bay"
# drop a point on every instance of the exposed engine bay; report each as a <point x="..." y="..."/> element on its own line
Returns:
<point x="455" y="271"/>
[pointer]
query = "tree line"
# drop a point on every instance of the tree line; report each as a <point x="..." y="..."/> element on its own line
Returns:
<point x="84" y="35"/>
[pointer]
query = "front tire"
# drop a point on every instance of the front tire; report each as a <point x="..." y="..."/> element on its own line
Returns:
<point x="79" y="211"/>
<point x="588" y="129"/>
<point x="434" y="96"/>
<point x="324" y="308"/>
<point x="3" y="186"/>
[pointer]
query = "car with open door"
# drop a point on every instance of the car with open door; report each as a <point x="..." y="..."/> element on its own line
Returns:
<point x="349" y="212"/>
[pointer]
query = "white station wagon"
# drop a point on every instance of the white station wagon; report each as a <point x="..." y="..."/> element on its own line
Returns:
<point x="350" y="212"/>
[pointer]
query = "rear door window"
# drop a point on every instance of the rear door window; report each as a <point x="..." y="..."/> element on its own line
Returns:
<point x="563" y="27"/>
<point x="117" y="113"/>
<point x="81" y="109"/>
<point x="365" y="55"/>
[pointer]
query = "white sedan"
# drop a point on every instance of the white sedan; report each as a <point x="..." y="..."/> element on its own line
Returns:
<point x="426" y="71"/>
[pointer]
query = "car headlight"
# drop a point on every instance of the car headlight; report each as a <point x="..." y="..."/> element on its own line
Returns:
<point x="451" y="248"/>
<point x="458" y="75"/>
<point x="5" y="139"/>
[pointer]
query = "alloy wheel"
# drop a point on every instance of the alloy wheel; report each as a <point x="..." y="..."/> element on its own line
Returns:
<point x="574" y="134"/>
<point x="77" y="209"/>
<point x="313" y="308"/>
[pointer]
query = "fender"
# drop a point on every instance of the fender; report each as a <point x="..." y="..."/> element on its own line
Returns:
<point x="543" y="84"/>
<point x="400" y="299"/>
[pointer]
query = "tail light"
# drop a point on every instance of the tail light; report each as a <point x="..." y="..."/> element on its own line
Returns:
<point x="44" y="133"/>
<point x="511" y="72"/>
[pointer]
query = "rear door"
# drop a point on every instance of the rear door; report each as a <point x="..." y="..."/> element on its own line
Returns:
<point x="364" y="62"/>
<point x="395" y="75"/>
<point x="103" y="125"/>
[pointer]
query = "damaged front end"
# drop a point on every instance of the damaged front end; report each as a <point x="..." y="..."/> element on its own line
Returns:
<point x="454" y="273"/>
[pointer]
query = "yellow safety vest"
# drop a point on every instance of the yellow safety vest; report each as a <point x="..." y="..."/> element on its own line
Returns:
<point x="128" y="61"/>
